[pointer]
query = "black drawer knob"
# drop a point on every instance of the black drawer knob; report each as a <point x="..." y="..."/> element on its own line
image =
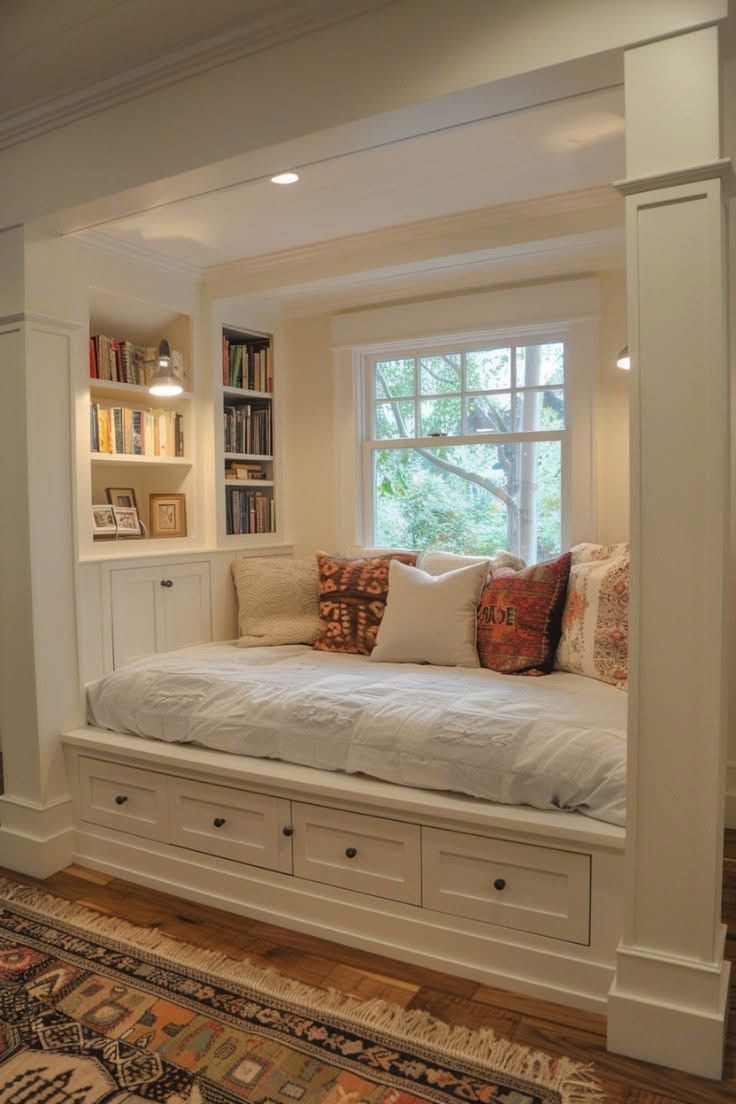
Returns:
<point x="120" y="799"/>
<point x="350" y="852"/>
<point x="167" y="582"/>
<point x="499" y="884"/>
<point x="288" y="830"/>
<point x="218" y="822"/>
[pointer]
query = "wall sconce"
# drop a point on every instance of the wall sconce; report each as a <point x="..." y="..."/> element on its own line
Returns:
<point x="623" y="360"/>
<point x="164" y="382"/>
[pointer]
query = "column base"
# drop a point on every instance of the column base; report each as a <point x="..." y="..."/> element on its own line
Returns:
<point x="35" y="839"/>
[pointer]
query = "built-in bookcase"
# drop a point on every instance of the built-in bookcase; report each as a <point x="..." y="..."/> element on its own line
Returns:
<point x="247" y="492"/>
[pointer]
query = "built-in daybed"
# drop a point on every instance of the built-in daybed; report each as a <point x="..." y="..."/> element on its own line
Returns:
<point x="388" y="806"/>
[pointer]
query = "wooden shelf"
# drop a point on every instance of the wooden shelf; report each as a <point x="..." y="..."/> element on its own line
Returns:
<point x="111" y="389"/>
<point x="241" y="393"/>
<point x="249" y="483"/>
<point x="126" y="458"/>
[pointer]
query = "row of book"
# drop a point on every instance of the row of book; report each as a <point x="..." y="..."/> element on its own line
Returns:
<point x="248" y="430"/>
<point x="247" y="365"/>
<point x="119" y="430"/>
<point x="124" y="362"/>
<point x="249" y="512"/>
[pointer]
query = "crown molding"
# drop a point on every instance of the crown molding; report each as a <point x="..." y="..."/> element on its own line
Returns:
<point x="39" y="321"/>
<point x="269" y="28"/>
<point x="108" y="243"/>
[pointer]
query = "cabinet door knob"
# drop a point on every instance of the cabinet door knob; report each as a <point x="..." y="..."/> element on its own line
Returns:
<point x="218" y="822"/>
<point x="167" y="582"/>
<point x="350" y="852"/>
<point x="499" y="884"/>
<point x="288" y="830"/>
<point x="120" y="799"/>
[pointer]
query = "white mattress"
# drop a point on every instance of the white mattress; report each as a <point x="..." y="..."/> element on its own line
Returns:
<point x="557" y="742"/>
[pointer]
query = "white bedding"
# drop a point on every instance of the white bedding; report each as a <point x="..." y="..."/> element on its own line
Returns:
<point x="557" y="742"/>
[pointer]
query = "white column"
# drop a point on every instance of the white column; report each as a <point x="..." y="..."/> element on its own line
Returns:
<point x="668" y="1003"/>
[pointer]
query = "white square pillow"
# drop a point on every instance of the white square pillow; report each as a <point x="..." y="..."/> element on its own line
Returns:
<point x="277" y="601"/>
<point x="437" y="563"/>
<point x="431" y="619"/>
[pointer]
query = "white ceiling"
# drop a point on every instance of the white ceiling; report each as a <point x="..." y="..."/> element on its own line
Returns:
<point x="573" y="144"/>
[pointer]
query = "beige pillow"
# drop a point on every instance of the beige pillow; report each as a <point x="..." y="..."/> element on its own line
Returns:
<point x="431" y="619"/>
<point x="437" y="563"/>
<point x="595" y="620"/>
<point x="277" y="601"/>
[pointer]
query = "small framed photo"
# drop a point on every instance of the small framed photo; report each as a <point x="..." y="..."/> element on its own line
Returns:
<point x="103" y="521"/>
<point x="121" y="496"/>
<point x="168" y="515"/>
<point x="126" y="519"/>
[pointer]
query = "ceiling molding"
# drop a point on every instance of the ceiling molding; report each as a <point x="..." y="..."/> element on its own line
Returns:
<point x="272" y="26"/>
<point x="109" y="243"/>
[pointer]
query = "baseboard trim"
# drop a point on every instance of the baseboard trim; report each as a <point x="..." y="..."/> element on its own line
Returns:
<point x="36" y="839"/>
<point x="730" y="810"/>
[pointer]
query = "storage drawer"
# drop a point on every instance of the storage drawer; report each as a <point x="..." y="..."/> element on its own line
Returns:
<point x="233" y="824"/>
<point x="532" y="889"/>
<point x="365" y="853"/>
<point x="125" y="798"/>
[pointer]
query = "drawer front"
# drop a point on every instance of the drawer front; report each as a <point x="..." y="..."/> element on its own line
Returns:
<point x="364" y="853"/>
<point x="516" y="885"/>
<point x="233" y="824"/>
<point x="126" y="798"/>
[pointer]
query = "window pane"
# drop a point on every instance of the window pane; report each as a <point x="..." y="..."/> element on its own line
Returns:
<point x="438" y="374"/>
<point x="395" y="419"/>
<point x="488" y="370"/>
<point x="538" y="364"/>
<point x="488" y="413"/>
<point x="471" y="498"/>
<point x="539" y="410"/>
<point x="441" y="416"/>
<point x="394" y="377"/>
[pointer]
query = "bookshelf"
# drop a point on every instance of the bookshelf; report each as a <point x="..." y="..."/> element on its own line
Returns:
<point x="247" y="484"/>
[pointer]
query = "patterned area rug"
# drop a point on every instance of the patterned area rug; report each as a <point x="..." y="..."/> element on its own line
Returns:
<point x="96" y="1010"/>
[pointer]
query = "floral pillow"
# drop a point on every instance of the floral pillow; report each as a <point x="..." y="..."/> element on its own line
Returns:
<point x="352" y="598"/>
<point x="595" y="621"/>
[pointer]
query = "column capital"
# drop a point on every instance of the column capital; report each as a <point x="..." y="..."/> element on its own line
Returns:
<point x="722" y="169"/>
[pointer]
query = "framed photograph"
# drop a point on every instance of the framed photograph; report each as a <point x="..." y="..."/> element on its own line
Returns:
<point x="103" y="521"/>
<point x="121" y="496"/>
<point x="168" y="515"/>
<point x="126" y="519"/>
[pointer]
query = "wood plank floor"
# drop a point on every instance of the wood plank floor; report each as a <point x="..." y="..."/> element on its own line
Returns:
<point x="537" y="1023"/>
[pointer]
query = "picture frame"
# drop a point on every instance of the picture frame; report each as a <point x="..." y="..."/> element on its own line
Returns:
<point x="121" y="496"/>
<point x="103" y="521"/>
<point x="168" y="515"/>
<point x="127" y="522"/>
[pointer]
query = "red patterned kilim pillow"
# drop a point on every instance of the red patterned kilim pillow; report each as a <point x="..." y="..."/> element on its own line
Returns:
<point x="352" y="598"/>
<point x="519" y="618"/>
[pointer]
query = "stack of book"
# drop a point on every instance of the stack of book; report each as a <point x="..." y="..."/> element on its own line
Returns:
<point x="248" y="430"/>
<point x="124" y="362"/>
<point x="245" y="471"/>
<point x="247" y="364"/>
<point x="249" y="512"/>
<point x="120" y="430"/>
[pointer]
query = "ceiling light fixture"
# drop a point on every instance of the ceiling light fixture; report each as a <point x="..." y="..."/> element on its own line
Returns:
<point x="285" y="178"/>
<point x="165" y="383"/>
<point x="623" y="360"/>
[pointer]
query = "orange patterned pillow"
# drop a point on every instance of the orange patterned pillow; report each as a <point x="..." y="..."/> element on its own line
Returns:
<point x="519" y="618"/>
<point x="352" y="598"/>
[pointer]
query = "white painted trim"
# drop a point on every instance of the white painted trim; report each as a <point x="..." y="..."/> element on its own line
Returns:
<point x="42" y="322"/>
<point x="713" y="170"/>
<point x="35" y="839"/>
<point x="120" y="247"/>
<point x="730" y="811"/>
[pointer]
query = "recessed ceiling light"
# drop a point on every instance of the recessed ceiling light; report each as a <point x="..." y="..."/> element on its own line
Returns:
<point x="285" y="178"/>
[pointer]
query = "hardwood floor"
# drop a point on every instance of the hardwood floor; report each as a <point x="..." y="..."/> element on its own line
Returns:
<point x="536" y="1023"/>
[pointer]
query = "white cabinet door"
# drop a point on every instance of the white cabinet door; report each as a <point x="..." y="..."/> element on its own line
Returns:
<point x="158" y="609"/>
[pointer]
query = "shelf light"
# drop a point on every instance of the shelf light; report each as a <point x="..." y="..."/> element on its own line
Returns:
<point x="285" y="178"/>
<point x="623" y="360"/>
<point x="165" y="383"/>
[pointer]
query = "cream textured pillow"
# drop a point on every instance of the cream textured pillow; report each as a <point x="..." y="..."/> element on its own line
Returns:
<point x="277" y="601"/>
<point x="431" y="619"/>
<point x="595" y="620"/>
<point x="437" y="563"/>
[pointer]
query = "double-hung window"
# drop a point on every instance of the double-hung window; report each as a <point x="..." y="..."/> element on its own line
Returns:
<point x="465" y="446"/>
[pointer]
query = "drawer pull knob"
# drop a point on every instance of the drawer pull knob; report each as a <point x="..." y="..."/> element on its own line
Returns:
<point x="288" y="830"/>
<point x="218" y="822"/>
<point x="499" y="884"/>
<point x="120" y="799"/>
<point x="166" y="583"/>
<point x="350" y="852"/>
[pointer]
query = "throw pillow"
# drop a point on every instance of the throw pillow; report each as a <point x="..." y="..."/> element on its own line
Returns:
<point x="595" y="622"/>
<point x="431" y="619"/>
<point x="352" y="598"/>
<point x="277" y="601"/>
<point x="519" y="618"/>
<point x="436" y="563"/>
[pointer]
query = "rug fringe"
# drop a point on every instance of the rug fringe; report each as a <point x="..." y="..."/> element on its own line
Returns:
<point x="574" y="1081"/>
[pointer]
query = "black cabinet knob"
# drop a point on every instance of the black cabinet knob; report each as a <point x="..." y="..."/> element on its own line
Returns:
<point x="499" y="884"/>
<point x="218" y="822"/>
<point x="350" y="852"/>
<point x="120" y="799"/>
<point x="288" y="830"/>
<point x="167" y="583"/>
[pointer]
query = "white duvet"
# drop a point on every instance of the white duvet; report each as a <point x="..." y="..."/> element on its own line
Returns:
<point x="557" y="742"/>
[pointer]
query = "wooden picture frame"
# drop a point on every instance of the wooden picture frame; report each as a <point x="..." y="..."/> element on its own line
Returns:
<point x="103" y="520"/>
<point x="122" y="496"/>
<point x="127" y="521"/>
<point x="168" y="515"/>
